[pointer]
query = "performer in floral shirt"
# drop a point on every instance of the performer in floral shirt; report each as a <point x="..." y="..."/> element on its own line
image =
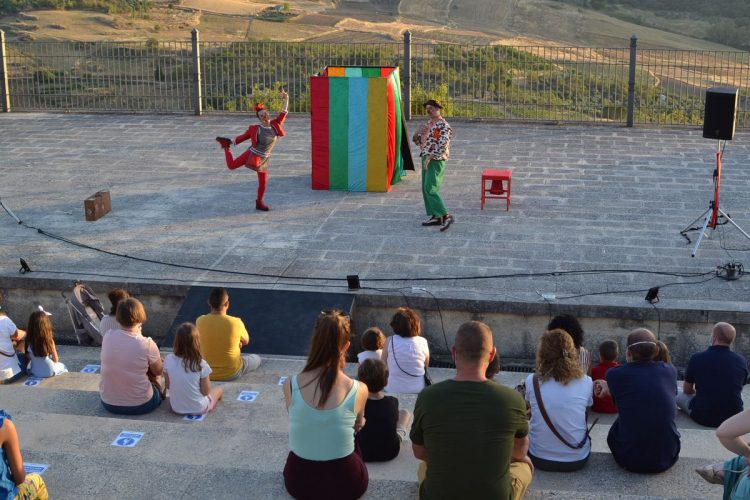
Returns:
<point x="263" y="137"/>
<point x="434" y="140"/>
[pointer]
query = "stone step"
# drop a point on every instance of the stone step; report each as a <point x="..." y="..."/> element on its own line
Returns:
<point x="240" y="449"/>
<point x="178" y="451"/>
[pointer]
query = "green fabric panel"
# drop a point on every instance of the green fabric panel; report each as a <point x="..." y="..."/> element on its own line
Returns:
<point x="398" y="170"/>
<point x="371" y="72"/>
<point x="353" y="72"/>
<point x="338" y="126"/>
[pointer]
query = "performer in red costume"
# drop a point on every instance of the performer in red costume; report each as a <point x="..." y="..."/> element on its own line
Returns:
<point x="263" y="138"/>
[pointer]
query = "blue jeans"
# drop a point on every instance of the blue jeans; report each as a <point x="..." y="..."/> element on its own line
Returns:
<point x="146" y="407"/>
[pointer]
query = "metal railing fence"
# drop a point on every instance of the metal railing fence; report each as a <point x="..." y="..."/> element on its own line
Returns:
<point x="99" y="76"/>
<point x="235" y="75"/>
<point x="562" y="84"/>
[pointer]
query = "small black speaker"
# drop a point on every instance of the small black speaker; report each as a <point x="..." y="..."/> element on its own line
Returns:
<point x="720" y="113"/>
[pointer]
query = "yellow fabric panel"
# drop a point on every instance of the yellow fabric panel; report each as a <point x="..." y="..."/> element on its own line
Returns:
<point x="377" y="137"/>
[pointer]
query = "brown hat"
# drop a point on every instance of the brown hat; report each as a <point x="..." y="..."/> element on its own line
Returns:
<point x="433" y="103"/>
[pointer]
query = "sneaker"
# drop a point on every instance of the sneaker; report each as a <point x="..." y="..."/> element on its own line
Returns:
<point x="225" y="142"/>
<point x="432" y="221"/>
<point x="259" y="205"/>
<point x="447" y="221"/>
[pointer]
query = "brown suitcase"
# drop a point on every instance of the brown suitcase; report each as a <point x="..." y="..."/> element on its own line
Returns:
<point x="97" y="206"/>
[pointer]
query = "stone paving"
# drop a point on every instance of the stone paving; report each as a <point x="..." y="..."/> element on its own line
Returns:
<point x="585" y="198"/>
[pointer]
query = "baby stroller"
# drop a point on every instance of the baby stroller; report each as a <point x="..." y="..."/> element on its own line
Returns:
<point x="85" y="311"/>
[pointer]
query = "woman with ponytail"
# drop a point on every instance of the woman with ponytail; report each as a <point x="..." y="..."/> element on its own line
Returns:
<point x="263" y="138"/>
<point x="326" y="408"/>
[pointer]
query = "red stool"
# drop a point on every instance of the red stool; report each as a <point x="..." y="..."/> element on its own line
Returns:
<point x="499" y="186"/>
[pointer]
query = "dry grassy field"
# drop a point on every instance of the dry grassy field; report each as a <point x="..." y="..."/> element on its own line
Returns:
<point x="539" y="22"/>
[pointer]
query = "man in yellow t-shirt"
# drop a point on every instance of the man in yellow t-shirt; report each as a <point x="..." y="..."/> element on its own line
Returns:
<point x="222" y="337"/>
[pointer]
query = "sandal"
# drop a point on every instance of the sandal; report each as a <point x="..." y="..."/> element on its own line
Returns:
<point x="432" y="221"/>
<point x="710" y="474"/>
<point x="447" y="221"/>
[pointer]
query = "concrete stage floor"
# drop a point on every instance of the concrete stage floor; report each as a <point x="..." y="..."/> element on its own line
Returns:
<point x="584" y="198"/>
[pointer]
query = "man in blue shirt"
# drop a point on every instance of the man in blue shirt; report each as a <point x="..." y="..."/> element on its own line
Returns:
<point x="644" y="437"/>
<point x="714" y="378"/>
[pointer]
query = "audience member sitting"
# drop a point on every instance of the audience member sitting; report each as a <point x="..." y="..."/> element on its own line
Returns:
<point x="325" y="408"/>
<point x="372" y="342"/>
<point x="644" y="437"/>
<point x="12" y="347"/>
<point x="609" y="350"/>
<point x="732" y="474"/>
<point x="562" y="401"/>
<point x="471" y="433"/>
<point x="131" y="364"/>
<point x="380" y="440"/>
<point x="40" y="346"/>
<point x="186" y="375"/>
<point x="493" y="368"/>
<point x="15" y="484"/>
<point x="406" y="353"/>
<point x="108" y="321"/>
<point x="222" y="339"/>
<point x="712" y="391"/>
<point x="664" y="356"/>
<point x="571" y="325"/>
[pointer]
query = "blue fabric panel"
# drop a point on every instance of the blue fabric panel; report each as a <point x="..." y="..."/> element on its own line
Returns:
<point x="358" y="90"/>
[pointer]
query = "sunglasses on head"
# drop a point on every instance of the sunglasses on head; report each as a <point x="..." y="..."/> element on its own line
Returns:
<point x="334" y="312"/>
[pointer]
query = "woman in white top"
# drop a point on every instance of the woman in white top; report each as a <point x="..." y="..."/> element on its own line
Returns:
<point x="108" y="321"/>
<point x="566" y="393"/>
<point x="572" y="327"/>
<point x="406" y="353"/>
<point x="12" y="341"/>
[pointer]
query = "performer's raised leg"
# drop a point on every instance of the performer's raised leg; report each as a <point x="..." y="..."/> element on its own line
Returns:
<point x="232" y="163"/>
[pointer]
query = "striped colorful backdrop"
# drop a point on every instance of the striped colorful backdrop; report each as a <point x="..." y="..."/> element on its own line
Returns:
<point x="356" y="128"/>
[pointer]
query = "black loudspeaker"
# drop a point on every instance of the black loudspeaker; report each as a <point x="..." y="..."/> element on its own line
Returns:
<point x="720" y="113"/>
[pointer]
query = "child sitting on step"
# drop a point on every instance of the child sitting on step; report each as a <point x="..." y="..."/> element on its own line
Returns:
<point x="608" y="352"/>
<point x="40" y="347"/>
<point x="380" y="439"/>
<point x="186" y="375"/>
<point x="372" y="342"/>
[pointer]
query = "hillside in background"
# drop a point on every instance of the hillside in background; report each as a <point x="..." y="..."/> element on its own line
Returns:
<point x="683" y="24"/>
<point x="722" y="21"/>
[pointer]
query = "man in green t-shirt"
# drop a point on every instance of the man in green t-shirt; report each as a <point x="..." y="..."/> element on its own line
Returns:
<point x="471" y="433"/>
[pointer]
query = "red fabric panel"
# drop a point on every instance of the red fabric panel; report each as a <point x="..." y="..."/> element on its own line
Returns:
<point x="391" y="133"/>
<point x="384" y="72"/>
<point x="319" y="104"/>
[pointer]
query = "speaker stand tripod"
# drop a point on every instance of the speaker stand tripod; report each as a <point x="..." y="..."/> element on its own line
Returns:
<point x="714" y="212"/>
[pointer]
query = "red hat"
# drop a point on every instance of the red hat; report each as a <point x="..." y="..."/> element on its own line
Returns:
<point x="258" y="107"/>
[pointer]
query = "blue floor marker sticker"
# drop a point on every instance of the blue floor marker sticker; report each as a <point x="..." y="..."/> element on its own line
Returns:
<point x="282" y="380"/>
<point x="30" y="468"/>
<point x="127" y="439"/>
<point x="90" y="369"/>
<point x="194" y="418"/>
<point x="247" y="396"/>
<point x="32" y="382"/>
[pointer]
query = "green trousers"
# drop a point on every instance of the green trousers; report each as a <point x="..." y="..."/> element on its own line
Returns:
<point x="432" y="178"/>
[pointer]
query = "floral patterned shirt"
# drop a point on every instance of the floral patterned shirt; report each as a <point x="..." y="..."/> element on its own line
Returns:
<point x="436" y="139"/>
